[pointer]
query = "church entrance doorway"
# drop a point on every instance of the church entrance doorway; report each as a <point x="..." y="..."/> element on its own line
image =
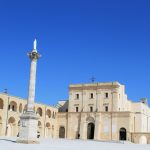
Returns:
<point x="61" y="132"/>
<point x="123" y="134"/>
<point x="90" y="131"/>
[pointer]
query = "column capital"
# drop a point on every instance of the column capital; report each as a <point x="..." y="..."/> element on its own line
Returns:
<point x="34" y="55"/>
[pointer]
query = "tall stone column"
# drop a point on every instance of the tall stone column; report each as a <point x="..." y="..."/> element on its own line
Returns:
<point x="29" y="120"/>
<point x="34" y="56"/>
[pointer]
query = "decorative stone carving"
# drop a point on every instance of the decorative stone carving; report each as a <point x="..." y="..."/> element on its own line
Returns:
<point x="90" y="119"/>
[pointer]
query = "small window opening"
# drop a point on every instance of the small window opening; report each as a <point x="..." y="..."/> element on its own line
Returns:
<point x="77" y="109"/>
<point x="106" y="108"/>
<point x="77" y="96"/>
<point x="106" y="95"/>
<point x="91" y="109"/>
<point x="91" y="95"/>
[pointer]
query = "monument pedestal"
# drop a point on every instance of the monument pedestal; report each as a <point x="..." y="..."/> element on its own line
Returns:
<point x="28" y="128"/>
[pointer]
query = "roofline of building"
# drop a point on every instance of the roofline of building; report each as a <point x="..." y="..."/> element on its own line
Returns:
<point x="26" y="100"/>
<point x="96" y="84"/>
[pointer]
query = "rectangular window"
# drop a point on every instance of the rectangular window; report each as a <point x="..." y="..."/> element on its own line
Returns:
<point x="77" y="96"/>
<point x="77" y="109"/>
<point x="106" y="108"/>
<point x="91" y="109"/>
<point x="106" y="95"/>
<point x="91" y="95"/>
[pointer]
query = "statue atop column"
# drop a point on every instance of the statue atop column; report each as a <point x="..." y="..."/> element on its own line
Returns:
<point x="34" y="44"/>
<point x="29" y="120"/>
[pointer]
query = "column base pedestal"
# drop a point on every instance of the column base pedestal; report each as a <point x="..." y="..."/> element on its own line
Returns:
<point x="28" y="128"/>
<point x="25" y="141"/>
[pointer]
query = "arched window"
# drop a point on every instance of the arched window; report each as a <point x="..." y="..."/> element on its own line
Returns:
<point x="11" y="120"/>
<point x="48" y="113"/>
<point x="13" y="106"/>
<point x="53" y="115"/>
<point x="39" y="111"/>
<point x="48" y="124"/>
<point x="1" y="104"/>
<point x="20" y="108"/>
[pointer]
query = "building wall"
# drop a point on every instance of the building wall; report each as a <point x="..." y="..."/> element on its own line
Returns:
<point x="10" y="116"/>
<point x="121" y="115"/>
<point x="99" y="111"/>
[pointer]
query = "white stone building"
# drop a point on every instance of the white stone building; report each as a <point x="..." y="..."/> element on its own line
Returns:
<point x="102" y="111"/>
<point x="99" y="111"/>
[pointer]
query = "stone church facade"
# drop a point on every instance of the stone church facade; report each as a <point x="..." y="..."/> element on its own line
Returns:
<point x="98" y="111"/>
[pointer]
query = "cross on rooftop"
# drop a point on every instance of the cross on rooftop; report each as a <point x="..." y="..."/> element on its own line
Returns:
<point x="5" y="91"/>
<point x="93" y="79"/>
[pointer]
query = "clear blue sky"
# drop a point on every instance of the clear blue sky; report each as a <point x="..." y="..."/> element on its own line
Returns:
<point x="77" y="39"/>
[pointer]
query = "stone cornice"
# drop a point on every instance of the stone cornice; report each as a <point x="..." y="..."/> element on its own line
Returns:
<point x="96" y="86"/>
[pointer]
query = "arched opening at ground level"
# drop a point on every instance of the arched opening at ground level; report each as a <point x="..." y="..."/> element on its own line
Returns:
<point x="11" y="127"/>
<point x="39" y="132"/>
<point x="47" y="130"/>
<point x="52" y="131"/>
<point x="122" y="134"/>
<point x="62" y="132"/>
<point x="48" y="113"/>
<point x="90" y="130"/>
<point x="143" y="140"/>
<point x="0" y="125"/>
<point x="148" y="140"/>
